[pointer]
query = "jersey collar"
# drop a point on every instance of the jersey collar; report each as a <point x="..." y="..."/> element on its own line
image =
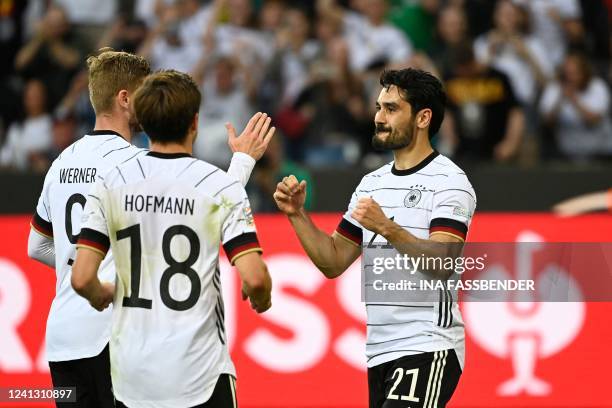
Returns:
<point x="104" y="132"/>
<point x="416" y="168"/>
<point x="168" y="155"/>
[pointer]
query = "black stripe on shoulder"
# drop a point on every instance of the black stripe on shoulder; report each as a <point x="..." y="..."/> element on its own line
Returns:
<point x="42" y="225"/>
<point x="350" y="231"/>
<point x="115" y="150"/>
<point x="94" y="239"/>
<point x="206" y="176"/>
<point x="121" y="174"/>
<point x="225" y="188"/>
<point x="141" y="170"/>
<point x="449" y="223"/>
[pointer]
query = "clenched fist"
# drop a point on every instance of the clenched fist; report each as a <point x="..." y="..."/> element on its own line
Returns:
<point x="368" y="213"/>
<point x="290" y="195"/>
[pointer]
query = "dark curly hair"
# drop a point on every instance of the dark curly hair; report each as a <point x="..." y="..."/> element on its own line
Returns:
<point x="421" y="90"/>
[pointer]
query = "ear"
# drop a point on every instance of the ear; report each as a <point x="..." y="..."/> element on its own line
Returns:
<point x="195" y="122"/>
<point x="123" y="99"/>
<point x="193" y="129"/>
<point x="423" y="118"/>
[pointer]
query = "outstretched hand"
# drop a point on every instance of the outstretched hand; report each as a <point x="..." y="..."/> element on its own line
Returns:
<point x="255" y="137"/>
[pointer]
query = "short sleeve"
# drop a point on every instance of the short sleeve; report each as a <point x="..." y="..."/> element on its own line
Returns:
<point x="94" y="228"/>
<point x="41" y="221"/>
<point x="238" y="234"/>
<point x="454" y="204"/>
<point x="349" y="228"/>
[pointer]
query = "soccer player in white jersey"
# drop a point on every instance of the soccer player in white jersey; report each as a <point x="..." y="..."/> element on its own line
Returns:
<point x="421" y="204"/>
<point x="77" y="335"/>
<point x="165" y="215"/>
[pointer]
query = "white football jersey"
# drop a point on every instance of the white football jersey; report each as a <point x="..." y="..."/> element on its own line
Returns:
<point x="433" y="197"/>
<point x="75" y="330"/>
<point x="165" y="216"/>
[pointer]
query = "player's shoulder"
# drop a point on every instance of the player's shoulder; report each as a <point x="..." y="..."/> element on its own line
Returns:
<point x="215" y="182"/>
<point x="444" y="166"/>
<point x="377" y="174"/>
<point x="449" y="175"/>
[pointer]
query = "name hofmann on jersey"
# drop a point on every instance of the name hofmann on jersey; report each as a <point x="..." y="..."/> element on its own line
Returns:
<point x="161" y="204"/>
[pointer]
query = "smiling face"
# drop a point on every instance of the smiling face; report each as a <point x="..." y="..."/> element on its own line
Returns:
<point x="394" y="121"/>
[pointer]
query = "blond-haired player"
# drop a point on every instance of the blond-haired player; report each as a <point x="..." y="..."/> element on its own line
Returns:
<point x="77" y="336"/>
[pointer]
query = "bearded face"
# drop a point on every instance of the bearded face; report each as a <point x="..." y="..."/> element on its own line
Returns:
<point x="394" y="121"/>
<point x="390" y="138"/>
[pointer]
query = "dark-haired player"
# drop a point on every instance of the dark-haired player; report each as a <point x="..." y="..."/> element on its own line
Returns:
<point x="77" y="336"/>
<point x="422" y="204"/>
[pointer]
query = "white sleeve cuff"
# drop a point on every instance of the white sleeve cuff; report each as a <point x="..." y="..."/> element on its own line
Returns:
<point x="241" y="167"/>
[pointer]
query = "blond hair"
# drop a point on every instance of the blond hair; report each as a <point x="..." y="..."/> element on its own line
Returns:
<point x="110" y="72"/>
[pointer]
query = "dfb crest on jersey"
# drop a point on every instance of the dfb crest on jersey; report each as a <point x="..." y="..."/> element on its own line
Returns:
<point x="412" y="198"/>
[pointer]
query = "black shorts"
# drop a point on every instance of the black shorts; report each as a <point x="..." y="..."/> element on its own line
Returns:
<point x="223" y="396"/>
<point x="425" y="380"/>
<point x="90" y="376"/>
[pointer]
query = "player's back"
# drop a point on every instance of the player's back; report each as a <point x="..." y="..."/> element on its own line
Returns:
<point x="74" y="329"/>
<point x="166" y="215"/>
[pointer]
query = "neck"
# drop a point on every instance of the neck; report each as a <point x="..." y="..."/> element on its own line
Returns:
<point x="171" y="148"/>
<point x="106" y="121"/>
<point x="413" y="154"/>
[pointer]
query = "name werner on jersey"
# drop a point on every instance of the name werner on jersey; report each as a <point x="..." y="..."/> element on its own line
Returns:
<point x="78" y="175"/>
<point x="163" y="205"/>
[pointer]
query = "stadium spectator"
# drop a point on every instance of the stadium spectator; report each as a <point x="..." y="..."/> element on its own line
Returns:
<point x="451" y="31"/>
<point x="89" y="19"/>
<point x="511" y="50"/>
<point x="485" y="120"/>
<point x="126" y="34"/>
<point x="166" y="48"/>
<point x="51" y="55"/>
<point x="331" y="111"/>
<point x="417" y="20"/>
<point x="239" y="36"/>
<point x="371" y="40"/>
<point x="295" y="54"/>
<point x="479" y="14"/>
<point x="227" y="95"/>
<point x="271" y="17"/>
<point x="11" y="35"/>
<point x="551" y="21"/>
<point x="33" y="134"/>
<point x="577" y="109"/>
<point x="64" y="131"/>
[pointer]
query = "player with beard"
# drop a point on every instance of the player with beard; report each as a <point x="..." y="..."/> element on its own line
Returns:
<point x="422" y="204"/>
<point x="77" y="335"/>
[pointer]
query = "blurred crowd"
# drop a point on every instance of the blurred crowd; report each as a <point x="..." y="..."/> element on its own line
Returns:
<point x="527" y="80"/>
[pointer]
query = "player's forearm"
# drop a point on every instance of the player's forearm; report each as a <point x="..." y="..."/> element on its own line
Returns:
<point x="259" y="291"/>
<point x="406" y="243"/>
<point x="89" y="288"/>
<point x="319" y="246"/>
<point x="41" y="248"/>
<point x="84" y="278"/>
<point x="241" y="167"/>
